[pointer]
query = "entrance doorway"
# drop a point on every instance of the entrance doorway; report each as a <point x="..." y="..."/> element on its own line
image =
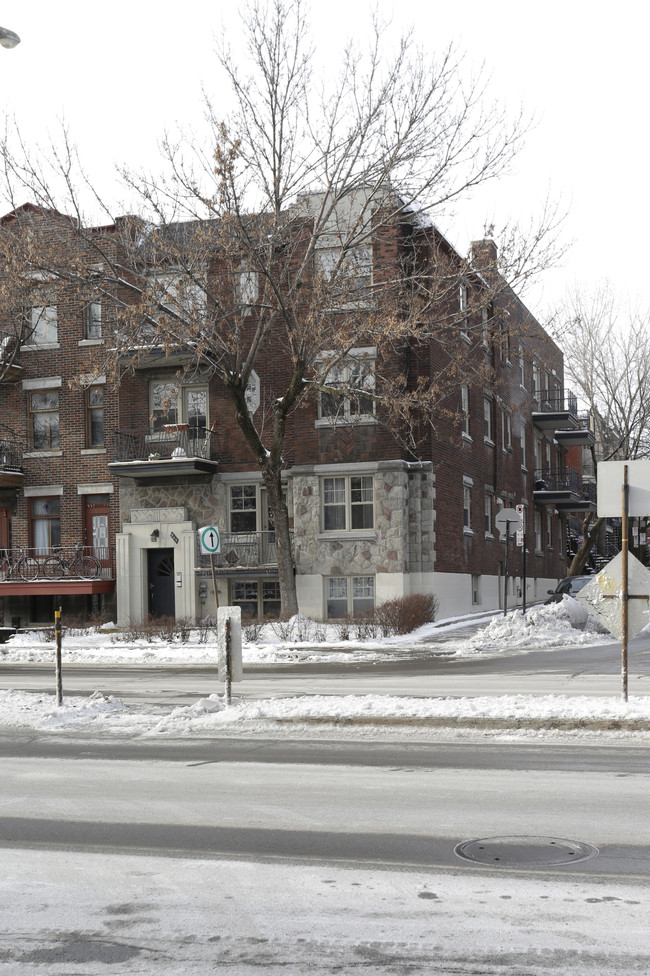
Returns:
<point x="5" y="521"/>
<point x="160" y="575"/>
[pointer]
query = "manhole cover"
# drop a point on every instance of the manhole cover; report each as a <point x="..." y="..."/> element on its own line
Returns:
<point x="524" y="851"/>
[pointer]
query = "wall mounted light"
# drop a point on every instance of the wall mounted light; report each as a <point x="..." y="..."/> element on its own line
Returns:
<point x="155" y="534"/>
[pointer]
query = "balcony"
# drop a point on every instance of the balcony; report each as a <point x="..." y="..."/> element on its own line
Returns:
<point x="583" y="436"/>
<point x="564" y="490"/>
<point x="11" y="460"/>
<point x="556" y="410"/>
<point x="174" y="454"/>
<point x="56" y="572"/>
<point x="243" y="553"/>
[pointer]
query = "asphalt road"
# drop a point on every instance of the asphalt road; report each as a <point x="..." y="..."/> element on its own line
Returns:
<point x="405" y="804"/>
<point x="423" y="671"/>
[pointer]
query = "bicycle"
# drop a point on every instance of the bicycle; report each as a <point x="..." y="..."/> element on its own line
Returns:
<point x="82" y="565"/>
<point x="25" y="566"/>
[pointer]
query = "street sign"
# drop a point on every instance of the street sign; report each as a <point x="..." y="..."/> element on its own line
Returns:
<point x="507" y="517"/>
<point x="209" y="540"/>
<point x="520" y="528"/>
<point x="610" y="488"/>
<point x="602" y="596"/>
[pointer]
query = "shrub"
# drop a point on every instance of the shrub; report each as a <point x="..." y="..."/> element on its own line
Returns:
<point x="405" y="614"/>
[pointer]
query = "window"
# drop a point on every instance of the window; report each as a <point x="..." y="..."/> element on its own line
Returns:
<point x="476" y="590"/>
<point x="349" y="595"/>
<point x="538" y="457"/>
<point x="95" y="416"/>
<point x="537" y="375"/>
<point x="348" y="503"/>
<point x="350" y="274"/>
<point x="243" y="508"/>
<point x="484" y="326"/>
<point x="355" y="374"/>
<point x="257" y="598"/>
<point x="487" y="419"/>
<point x="463" y="305"/>
<point x="246" y="288"/>
<point x="464" y="407"/>
<point x="522" y="441"/>
<point x="506" y="431"/>
<point x="44" y="419"/>
<point x="522" y="374"/>
<point x="42" y="325"/>
<point x="174" y="404"/>
<point x="538" y="530"/>
<point x="93" y="321"/>
<point x="249" y="510"/>
<point x="45" y="524"/>
<point x="549" y="529"/>
<point x="488" y="513"/>
<point x="467" y="507"/>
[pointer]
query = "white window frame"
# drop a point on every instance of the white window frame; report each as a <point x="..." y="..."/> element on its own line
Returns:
<point x="464" y="408"/>
<point x="345" y="489"/>
<point x="463" y="306"/>
<point x="353" y="274"/>
<point x="156" y="425"/>
<point x="354" y="590"/>
<point x="355" y="372"/>
<point x="467" y="506"/>
<point x="487" y="421"/>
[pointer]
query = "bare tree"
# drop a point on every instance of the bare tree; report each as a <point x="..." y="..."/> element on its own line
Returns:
<point x="608" y="363"/>
<point x="270" y="241"/>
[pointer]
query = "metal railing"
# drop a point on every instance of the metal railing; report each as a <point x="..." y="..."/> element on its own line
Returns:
<point x="557" y="401"/>
<point x="28" y="565"/>
<point x="11" y="455"/>
<point x="174" y="441"/>
<point x="242" y="550"/>
<point x="565" y="480"/>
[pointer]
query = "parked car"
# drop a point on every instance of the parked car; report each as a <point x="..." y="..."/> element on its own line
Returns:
<point x="569" y="585"/>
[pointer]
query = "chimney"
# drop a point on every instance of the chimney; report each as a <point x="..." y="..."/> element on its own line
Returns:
<point x="484" y="255"/>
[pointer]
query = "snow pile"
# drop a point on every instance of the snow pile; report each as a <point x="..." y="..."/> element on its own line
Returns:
<point x="541" y="628"/>
<point x="208" y="715"/>
<point x="304" y="641"/>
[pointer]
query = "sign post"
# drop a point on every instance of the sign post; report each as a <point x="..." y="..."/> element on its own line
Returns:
<point x="57" y="657"/>
<point x="506" y="521"/>
<point x="210" y="542"/>
<point x="613" y="582"/>
<point x="229" y="641"/>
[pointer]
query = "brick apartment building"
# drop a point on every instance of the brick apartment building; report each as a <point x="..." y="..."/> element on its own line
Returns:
<point x="131" y="470"/>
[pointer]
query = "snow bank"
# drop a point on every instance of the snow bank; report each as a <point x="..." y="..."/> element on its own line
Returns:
<point x="26" y="710"/>
<point x="542" y="628"/>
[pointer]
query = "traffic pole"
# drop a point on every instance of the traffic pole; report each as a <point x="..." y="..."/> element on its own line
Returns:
<point x="57" y="657"/>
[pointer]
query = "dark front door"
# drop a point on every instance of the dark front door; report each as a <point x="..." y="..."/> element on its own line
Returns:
<point x="160" y="565"/>
<point x="5" y="518"/>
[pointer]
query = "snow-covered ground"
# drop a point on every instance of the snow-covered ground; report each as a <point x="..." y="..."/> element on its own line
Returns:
<point x="543" y="628"/>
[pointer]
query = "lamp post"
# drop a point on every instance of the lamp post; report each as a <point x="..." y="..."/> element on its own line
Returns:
<point x="8" y="38"/>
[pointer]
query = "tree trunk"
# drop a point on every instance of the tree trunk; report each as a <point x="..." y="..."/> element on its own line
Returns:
<point x="589" y="536"/>
<point x="283" y="548"/>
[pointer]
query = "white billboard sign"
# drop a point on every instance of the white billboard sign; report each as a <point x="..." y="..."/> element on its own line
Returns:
<point x="610" y="488"/>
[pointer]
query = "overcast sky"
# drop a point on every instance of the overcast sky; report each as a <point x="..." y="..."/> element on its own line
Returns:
<point x="121" y="72"/>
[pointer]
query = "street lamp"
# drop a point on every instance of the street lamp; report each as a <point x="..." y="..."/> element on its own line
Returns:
<point x="8" y="38"/>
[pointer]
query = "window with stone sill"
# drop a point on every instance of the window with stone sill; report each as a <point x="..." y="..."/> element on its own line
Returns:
<point x="347" y="503"/>
<point x="44" y="420"/>
<point x="355" y="379"/>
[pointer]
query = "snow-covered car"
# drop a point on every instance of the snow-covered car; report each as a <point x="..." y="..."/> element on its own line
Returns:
<point x="570" y="585"/>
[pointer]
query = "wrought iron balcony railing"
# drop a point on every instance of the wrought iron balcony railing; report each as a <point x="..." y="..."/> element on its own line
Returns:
<point x="242" y="550"/>
<point x="564" y="480"/>
<point x="11" y="455"/>
<point x="557" y="401"/>
<point x="55" y="563"/>
<point x="173" y="442"/>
